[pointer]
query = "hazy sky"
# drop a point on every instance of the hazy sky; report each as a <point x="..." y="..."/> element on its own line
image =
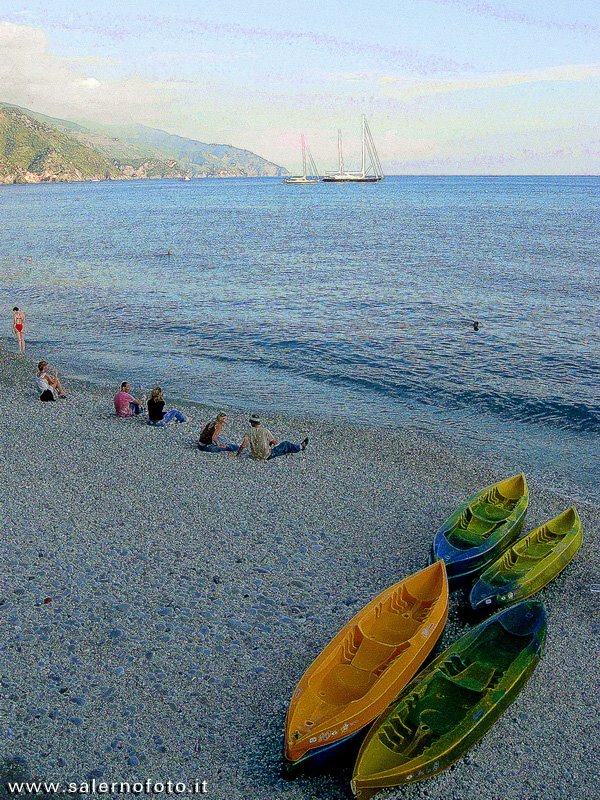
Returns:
<point x="449" y="86"/>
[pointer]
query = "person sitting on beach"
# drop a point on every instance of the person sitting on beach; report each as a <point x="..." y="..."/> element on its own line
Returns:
<point x="18" y="326"/>
<point x="48" y="383"/>
<point x="263" y="445"/>
<point x="212" y="439"/>
<point x="125" y="403"/>
<point x="156" y="409"/>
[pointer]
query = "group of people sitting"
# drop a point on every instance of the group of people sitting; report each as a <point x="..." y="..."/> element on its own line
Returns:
<point x="126" y="405"/>
<point x="260" y="442"/>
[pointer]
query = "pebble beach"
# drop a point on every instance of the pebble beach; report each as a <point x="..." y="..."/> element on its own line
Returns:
<point x="159" y="604"/>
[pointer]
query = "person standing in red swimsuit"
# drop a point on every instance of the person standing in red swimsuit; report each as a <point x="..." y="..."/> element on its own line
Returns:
<point x="19" y="328"/>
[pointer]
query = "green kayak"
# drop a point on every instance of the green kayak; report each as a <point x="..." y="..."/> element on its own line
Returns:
<point x="449" y="706"/>
<point x="530" y="563"/>
<point x="481" y="528"/>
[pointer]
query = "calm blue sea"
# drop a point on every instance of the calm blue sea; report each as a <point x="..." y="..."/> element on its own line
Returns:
<point x="349" y="301"/>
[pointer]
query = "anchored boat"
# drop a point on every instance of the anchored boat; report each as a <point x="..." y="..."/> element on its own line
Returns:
<point x="370" y="169"/>
<point x="307" y="159"/>
<point x="530" y="563"/>
<point x="366" y="665"/>
<point x="482" y="527"/>
<point x="449" y="706"/>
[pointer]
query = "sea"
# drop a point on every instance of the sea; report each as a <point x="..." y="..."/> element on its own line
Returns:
<point x="351" y="302"/>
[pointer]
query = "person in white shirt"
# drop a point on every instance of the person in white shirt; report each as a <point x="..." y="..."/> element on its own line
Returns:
<point x="48" y="381"/>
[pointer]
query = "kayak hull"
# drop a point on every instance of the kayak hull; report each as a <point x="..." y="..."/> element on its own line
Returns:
<point x="530" y="564"/>
<point x="326" y="758"/>
<point x="481" y="528"/>
<point x="450" y="705"/>
<point x="367" y="663"/>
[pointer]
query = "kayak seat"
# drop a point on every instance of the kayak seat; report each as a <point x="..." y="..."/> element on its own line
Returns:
<point x="399" y="738"/>
<point x="435" y="720"/>
<point x="476" y="677"/>
<point x="371" y="654"/>
<point x="514" y="563"/>
<point x="540" y="551"/>
<point x="466" y="538"/>
<point x="525" y="561"/>
<point x="541" y="543"/>
<point x="470" y="531"/>
<point x="392" y="629"/>
<point x="470" y="521"/>
<point x="345" y="683"/>
<point x="395" y="733"/>
<point x="506" y="578"/>
<point x="490" y="513"/>
<point x="435" y="709"/>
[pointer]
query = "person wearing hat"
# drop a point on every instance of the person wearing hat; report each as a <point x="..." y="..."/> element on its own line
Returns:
<point x="263" y="445"/>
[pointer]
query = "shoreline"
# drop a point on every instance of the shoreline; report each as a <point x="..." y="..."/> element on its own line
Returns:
<point x="482" y="444"/>
<point x="424" y="175"/>
<point x="130" y="178"/>
<point x="189" y="591"/>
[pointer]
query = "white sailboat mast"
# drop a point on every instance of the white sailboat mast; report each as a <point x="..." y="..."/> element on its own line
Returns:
<point x="314" y="172"/>
<point x="374" y="157"/>
<point x="362" y="161"/>
<point x="303" y="156"/>
<point x="340" y="156"/>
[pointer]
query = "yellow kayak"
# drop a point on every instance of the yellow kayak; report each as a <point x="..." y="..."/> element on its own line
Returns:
<point x="367" y="664"/>
<point x="530" y="563"/>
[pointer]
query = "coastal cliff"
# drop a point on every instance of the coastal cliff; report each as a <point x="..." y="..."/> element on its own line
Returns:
<point x="33" y="152"/>
<point x="35" y="148"/>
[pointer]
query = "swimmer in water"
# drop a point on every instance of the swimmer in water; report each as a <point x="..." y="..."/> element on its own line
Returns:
<point x="476" y="325"/>
<point x="18" y="327"/>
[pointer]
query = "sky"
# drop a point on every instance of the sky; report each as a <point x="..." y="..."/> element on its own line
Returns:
<point x="448" y="86"/>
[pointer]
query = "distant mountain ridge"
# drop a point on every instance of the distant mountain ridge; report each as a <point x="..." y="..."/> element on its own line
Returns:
<point x="36" y="148"/>
<point x="32" y="152"/>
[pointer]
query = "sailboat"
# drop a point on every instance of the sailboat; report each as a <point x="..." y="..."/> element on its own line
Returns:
<point x="370" y="168"/>
<point x="314" y="176"/>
